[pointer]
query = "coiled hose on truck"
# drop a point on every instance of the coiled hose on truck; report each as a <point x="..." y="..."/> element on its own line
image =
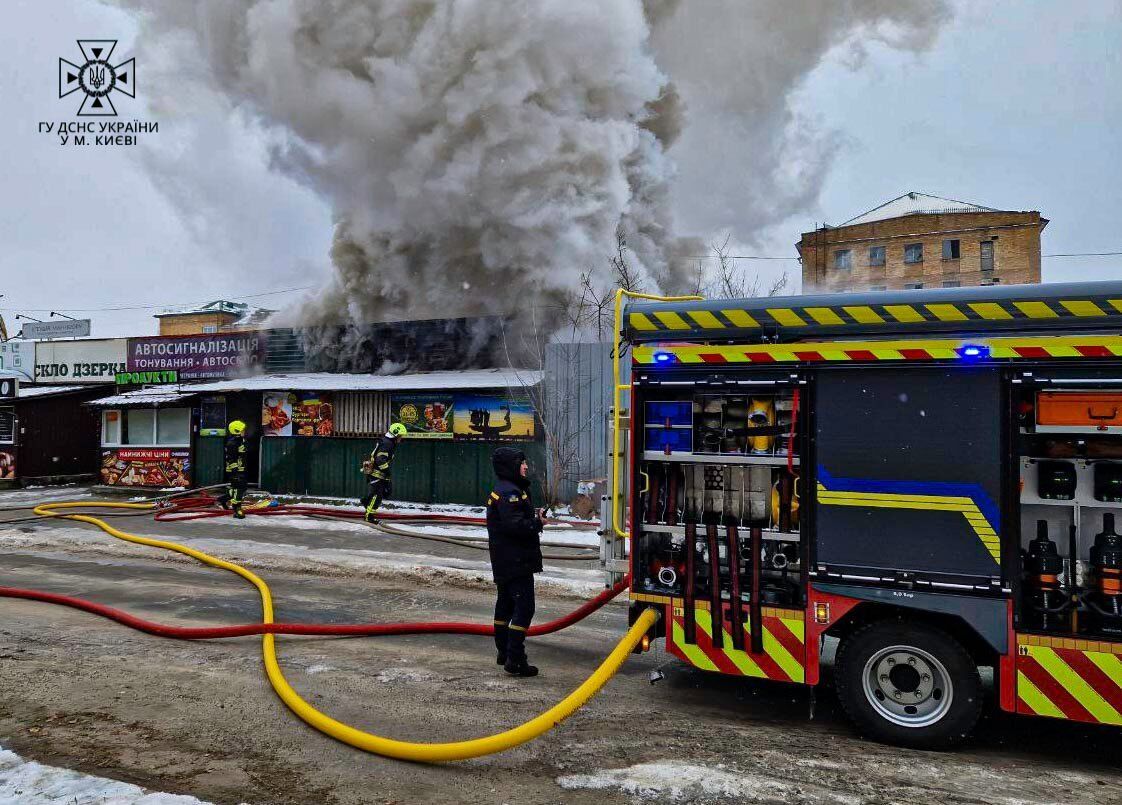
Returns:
<point x="389" y="747"/>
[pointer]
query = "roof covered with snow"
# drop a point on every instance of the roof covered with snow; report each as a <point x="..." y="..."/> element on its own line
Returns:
<point x="243" y="311"/>
<point x="46" y="391"/>
<point x="915" y="204"/>
<point x="420" y="381"/>
<point x="163" y="395"/>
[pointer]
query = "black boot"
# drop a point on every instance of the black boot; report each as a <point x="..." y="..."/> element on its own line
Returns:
<point x="520" y="668"/>
<point x="516" y="663"/>
<point x="502" y="637"/>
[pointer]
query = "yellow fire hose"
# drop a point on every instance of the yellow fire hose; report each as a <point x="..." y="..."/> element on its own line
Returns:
<point x="368" y="742"/>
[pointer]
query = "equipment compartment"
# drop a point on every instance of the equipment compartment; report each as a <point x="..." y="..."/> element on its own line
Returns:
<point x="1079" y="412"/>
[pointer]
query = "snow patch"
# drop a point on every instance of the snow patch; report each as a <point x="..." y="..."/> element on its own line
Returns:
<point x="404" y="675"/>
<point x="23" y="781"/>
<point x="684" y="782"/>
<point x="320" y="668"/>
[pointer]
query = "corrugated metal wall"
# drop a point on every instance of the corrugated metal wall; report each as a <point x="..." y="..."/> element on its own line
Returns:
<point x="361" y="413"/>
<point x="423" y="471"/>
<point x="208" y="460"/>
<point x="577" y="396"/>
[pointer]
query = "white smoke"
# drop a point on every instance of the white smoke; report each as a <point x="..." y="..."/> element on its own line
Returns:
<point x="479" y="155"/>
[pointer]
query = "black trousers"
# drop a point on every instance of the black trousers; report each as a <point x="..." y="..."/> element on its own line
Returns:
<point x="378" y="490"/>
<point x="514" y="609"/>
<point x="235" y="496"/>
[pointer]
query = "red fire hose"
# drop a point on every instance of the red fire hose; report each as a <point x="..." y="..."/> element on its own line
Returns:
<point x="341" y="629"/>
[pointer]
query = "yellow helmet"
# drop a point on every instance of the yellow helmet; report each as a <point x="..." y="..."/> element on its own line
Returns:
<point x="236" y="428"/>
<point x="397" y="430"/>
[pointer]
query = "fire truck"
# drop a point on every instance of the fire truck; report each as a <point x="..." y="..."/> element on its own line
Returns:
<point x="928" y="477"/>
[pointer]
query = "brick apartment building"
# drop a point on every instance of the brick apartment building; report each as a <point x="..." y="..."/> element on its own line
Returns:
<point x="922" y="241"/>
<point x="219" y="316"/>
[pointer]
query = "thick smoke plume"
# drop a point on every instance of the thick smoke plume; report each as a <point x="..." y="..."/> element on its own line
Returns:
<point x="480" y="155"/>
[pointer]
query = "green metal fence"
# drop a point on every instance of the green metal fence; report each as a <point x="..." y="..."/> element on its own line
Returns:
<point x="208" y="461"/>
<point x="435" y="471"/>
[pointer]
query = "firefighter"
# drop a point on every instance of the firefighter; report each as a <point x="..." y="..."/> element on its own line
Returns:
<point x="235" y="468"/>
<point x="377" y="470"/>
<point x="514" y="539"/>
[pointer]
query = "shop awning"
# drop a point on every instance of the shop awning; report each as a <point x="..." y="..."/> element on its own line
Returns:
<point x="419" y="381"/>
<point x="31" y="392"/>
<point x="145" y="398"/>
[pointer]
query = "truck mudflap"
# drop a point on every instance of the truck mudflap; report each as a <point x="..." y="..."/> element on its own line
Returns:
<point x="783" y="657"/>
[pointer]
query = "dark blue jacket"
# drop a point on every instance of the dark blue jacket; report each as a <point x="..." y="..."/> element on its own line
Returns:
<point x="513" y="527"/>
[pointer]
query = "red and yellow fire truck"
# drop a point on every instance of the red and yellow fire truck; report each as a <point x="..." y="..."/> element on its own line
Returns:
<point x="930" y="477"/>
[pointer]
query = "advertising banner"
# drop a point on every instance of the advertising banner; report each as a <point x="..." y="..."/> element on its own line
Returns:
<point x="147" y="466"/>
<point x="7" y="464"/>
<point x="196" y="357"/>
<point x="66" y="328"/>
<point x="17" y="358"/>
<point x="425" y="416"/>
<point x="297" y="414"/>
<point x="93" y="361"/>
<point x="488" y="417"/>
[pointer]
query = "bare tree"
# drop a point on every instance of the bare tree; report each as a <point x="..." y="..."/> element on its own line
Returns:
<point x="731" y="281"/>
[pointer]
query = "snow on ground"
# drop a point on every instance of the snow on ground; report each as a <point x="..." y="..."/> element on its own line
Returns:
<point x="23" y="781"/>
<point x="675" y="781"/>
<point x="562" y="535"/>
<point x="41" y="494"/>
<point x="561" y="581"/>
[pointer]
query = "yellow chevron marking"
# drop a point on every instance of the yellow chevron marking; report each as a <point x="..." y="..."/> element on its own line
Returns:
<point x="740" y="318"/>
<point x="863" y="314"/>
<point x="1036" y="310"/>
<point x="990" y="310"/>
<point x="1109" y="664"/>
<point x="797" y="628"/>
<point x="705" y="319"/>
<point x="672" y="320"/>
<point x="774" y="649"/>
<point x="1001" y="348"/>
<point x="1039" y="703"/>
<point x="904" y="313"/>
<point x="743" y="662"/>
<point x="824" y="315"/>
<point x="1083" y="308"/>
<point x="946" y="312"/>
<point x="640" y="321"/>
<point x="1076" y="685"/>
<point x="786" y="317"/>
<point x="694" y="654"/>
<point x="1116" y="304"/>
<point x="889" y="500"/>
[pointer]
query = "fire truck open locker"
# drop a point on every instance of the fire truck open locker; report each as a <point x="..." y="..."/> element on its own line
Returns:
<point x="929" y="476"/>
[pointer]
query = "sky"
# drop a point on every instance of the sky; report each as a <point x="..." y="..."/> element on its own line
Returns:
<point x="1016" y="106"/>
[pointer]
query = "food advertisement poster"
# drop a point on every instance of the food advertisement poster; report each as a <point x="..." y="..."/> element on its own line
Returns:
<point x="146" y="466"/>
<point x="490" y="417"/>
<point x="425" y="416"/>
<point x="7" y="465"/>
<point x="297" y="414"/>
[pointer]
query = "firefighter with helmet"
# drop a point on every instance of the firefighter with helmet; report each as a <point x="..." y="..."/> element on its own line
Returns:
<point x="235" y="469"/>
<point x="377" y="470"/>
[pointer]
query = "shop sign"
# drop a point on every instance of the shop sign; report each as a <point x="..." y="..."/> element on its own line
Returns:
<point x="92" y="361"/>
<point x="425" y="416"/>
<point x="65" y="328"/>
<point x="147" y="378"/>
<point x="480" y="417"/>
<point x="297" y="414"/>
<point x="196" y="357"/>
<point x="7" y="464"/>
<point x="18" y="358"/>
<point x="146" y="466"/>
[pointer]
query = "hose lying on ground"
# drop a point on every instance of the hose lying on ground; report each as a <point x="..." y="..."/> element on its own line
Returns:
<point x="338" y="629"/>
<point x="389" y="747"/>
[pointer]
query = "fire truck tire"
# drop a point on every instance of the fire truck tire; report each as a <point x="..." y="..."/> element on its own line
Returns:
<point x="908" y="684"/>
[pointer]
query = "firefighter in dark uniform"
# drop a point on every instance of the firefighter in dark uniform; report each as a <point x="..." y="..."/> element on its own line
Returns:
<point x="514" y="538"/>
<point x="235" y="453"/>
<point x="377" y="470"/>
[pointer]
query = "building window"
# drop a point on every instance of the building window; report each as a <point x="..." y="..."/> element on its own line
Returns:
<point x="912" y="286"/>
<point x="951" y="284"/>
<point x="111" y="427"/>
<point x="7" y="425"/>
<point x="913" y="253"/>
<point x="878" y="287"/>
<point x="843" y="259"/>
<point x="951" y="250"/>
<point x="210" y="328"/>
<point x="986" y="256"/>
<point x="876" y="255"/>
<point x="146" y="427"/>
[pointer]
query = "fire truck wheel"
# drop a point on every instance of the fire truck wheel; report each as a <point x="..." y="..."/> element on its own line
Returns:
<point x="908" y="684"/>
